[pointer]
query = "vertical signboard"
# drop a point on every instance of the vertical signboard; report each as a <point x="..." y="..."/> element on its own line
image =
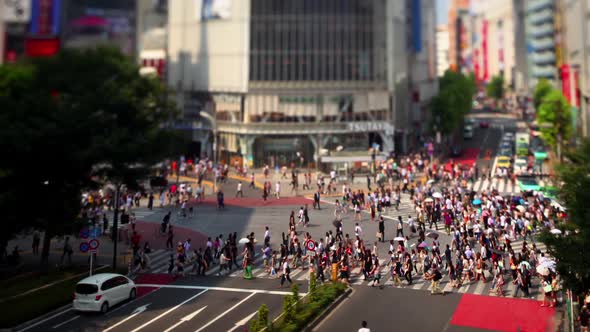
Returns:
<point x="484" y="47"/>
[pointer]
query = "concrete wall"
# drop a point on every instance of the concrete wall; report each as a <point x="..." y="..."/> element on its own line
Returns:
<point x="208" y="55"/>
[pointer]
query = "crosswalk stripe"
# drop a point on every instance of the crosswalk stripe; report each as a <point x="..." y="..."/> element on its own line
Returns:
<point x="464" y="287"/>
<point x="509" y="289"/>
<point x="501" y="186"/>
<point x="480" y="288"/>
<point x="485" y="185"/>
<point x="494" y="184"/>
<point x="509" y="187"/>
<point x="448" y="287"/>
<point x="470" y="185"/>
<point x="304" y="276"/>
<point x="477" y="185"/>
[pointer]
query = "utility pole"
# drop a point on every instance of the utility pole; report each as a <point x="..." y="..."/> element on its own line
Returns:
<point x="116" y="226"/>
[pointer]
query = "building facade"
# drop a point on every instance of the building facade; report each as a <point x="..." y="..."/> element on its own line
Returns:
<point x="542" y="43"/>
<point x="442" y="49"/>
<point x="575" y="73"/>
<point x="455" y="8"/>
<point x="291" y="81"/>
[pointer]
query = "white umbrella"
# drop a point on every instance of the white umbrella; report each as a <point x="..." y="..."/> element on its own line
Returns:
<point x="430" y="182"/>
<point x="428" y="200"/>
<point x="555" y="231"/>
<point x="500" y="198"/>
<point x="437" y="195"/>
<point x="521" y="208"/>
<point x="542" y="270"/>
<point x="432" y="235"/>
<point x="244" y="240"/>
<point x="399" y="238"/>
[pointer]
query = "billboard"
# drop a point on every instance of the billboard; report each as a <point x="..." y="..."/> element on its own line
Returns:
<point x="15" y="11"/>
<point x="215" y="9"/>
<point x="92" y="23"/>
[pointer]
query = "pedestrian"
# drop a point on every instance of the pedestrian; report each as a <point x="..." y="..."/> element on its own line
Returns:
<point x="67" y="251"/>
<point x="267" y="235"/>
<point x="364" y="327"/>
<point x="584" y="317"/>
<point x="151" y="201"/>
<point x="252" y="182"/>
<point x="278" y="190"/>
<point x="316" y="200"/>
<point x="239" y="190"/>
<point x="382" y="228"/>
<point x="400" y="227"/>
<point x="36" y="242"/>
<point x="286" y="271"/>
<point x="170" y="238"/>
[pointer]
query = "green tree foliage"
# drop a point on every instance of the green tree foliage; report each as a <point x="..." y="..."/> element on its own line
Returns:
<point x="573" y="264"/>
<point x="453" y="101"/>
<point x="313" y="295"/>
<point x="69" y="123"/>
<point x="555" y="118"/>
<point x="541" y="91"/>
<point x="261" y="320"/>
<point x="495" y="88"/>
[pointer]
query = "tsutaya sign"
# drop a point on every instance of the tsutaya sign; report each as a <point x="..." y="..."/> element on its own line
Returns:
<point x="371" y="126"/>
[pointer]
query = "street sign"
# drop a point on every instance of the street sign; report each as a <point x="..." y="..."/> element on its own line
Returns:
<point x="94" y="232"/>
<point x="310" y="246"/>
<point x="84" y="247"/>
<point x="94" y="244"/>
<point x="84" y="233"/>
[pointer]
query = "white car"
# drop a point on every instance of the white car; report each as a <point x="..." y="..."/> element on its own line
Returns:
<point x="468" y="132"/>
<point x="102" y="291"/>
<point x="520" y="166"/>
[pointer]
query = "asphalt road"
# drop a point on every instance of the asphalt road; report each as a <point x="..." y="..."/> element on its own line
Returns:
<point x="187" y="305"/>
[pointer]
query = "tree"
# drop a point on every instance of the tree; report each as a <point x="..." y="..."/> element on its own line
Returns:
<point x="495" y="88"/>
<point x="573" y="265"/>
<point x="261" y="320"/>
<point x="541" y="91"/>
<point x="73" y="122"/>
<point x="555" y="120"/>
<point x="453" y="101"/>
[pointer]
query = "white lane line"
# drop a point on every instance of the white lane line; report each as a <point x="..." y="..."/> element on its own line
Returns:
<point x="501" y="185"/>
<point x="225" y="312"/>
<point x="480" y="287"/>
<point x="135" y="312"/>
<point x="64" y="323"/>
<point x="243" y="322"/>
<point x="225" y="289"/>
<point x="494" y="166"/>
<point x="46" y="319"/>
<point x="170" y="310"/>
<point x="448" y="287"/>
<point x="185" y="319"/>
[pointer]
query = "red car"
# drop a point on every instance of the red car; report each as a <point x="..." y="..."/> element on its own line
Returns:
<point x="484" y="124"/>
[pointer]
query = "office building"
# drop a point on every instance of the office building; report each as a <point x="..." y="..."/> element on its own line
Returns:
<point x="294" y="81"/>
<point x="442" y="49"/>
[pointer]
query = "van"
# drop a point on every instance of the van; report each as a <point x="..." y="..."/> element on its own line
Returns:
<point x="468" y="132"/>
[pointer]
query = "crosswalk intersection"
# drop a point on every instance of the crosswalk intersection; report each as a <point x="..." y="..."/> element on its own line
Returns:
<point x="159" y="262"/>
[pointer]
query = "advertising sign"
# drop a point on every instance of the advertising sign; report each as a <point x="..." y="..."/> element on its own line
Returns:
<point x="216" y="9"/>
<point x="16" y="11"/>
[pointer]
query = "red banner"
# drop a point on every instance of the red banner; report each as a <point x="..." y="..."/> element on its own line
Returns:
<point x="566" y="85"/>
<point x="484" y="46"/>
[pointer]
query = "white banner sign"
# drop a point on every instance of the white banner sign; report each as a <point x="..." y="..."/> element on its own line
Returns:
<point x="16" y="11"/>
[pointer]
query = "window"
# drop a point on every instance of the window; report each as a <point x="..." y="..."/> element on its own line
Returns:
<point x="111" y="283"/>
<point x="86" y="289"/>
<point x="120" y="281"/>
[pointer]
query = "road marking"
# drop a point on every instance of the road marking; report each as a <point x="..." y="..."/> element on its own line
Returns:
<point x="64" y="323"/>
<point x="135" y="312"/>
<point x="501" y="186"/>
<point x="185" y="319"/>
<point x="225" y="312"/>
<point x="169" y="310"/>
<point x="46" y="319"/>
<point x="509" y="187"/>
<point x="480" y="287"/>
<point x="238" y="290"/>
<point x="243" y="322"/>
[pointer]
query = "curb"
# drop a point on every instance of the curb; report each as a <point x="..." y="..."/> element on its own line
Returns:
<point x="33" y="321"/>
<point x="319" y="318"/>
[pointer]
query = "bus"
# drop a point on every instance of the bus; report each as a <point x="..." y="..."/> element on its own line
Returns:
<point x="522" y="144"/>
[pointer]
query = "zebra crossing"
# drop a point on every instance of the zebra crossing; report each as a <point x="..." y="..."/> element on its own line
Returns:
<point x="503" y="185"/>
<point x="160" y="260"/>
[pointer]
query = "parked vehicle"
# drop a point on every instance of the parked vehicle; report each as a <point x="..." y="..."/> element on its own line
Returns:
<point x="103" y="291"/>
<point x="468" y="132"/>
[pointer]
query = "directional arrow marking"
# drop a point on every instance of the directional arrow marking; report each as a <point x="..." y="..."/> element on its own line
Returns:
<point x="135" y="312"/>
<point x="185" y="319"/>
<point x="243" y="321"/>
<point x="169" y="310"/>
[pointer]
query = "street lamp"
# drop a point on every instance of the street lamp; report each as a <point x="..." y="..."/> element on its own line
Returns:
<point x="213" y="121"/>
